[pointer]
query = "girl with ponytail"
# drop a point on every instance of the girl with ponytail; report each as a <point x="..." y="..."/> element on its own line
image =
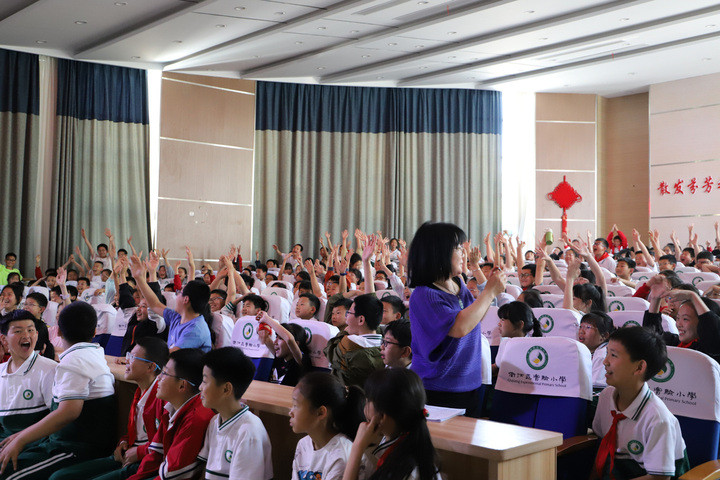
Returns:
<point x="397" y="425"/>
<point x="517" y="320"/>
<point x="329" y="414"/>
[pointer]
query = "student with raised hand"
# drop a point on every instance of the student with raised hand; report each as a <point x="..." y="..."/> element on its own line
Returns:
<point x="189" y="324"/>
<point x="144" y="364"/>
<point x="641" y="439"/>
<point x="397" y="428"/>
<point x="698" y="326"/>
<point x="329" y="414"/>
<point x="445" y="318"/>
<point x="179" y="438"/>
<point x="581" y="297"/>
<point x="291" y="348"/>
<point x="102" y="250"/>
<point x="83" y="392"/>
<point x="236" y="445"/>
<point x="26" y="379"/>
<point x="595" y="329"/>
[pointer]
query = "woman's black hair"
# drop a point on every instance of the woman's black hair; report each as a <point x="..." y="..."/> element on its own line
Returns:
<point x="600" y="320"/>
<point x="587" y="274"/>
<point x="44" y="345"/>
<point x="345" y="407"/>
<point x="532" y="298"/>
<point x="399" y="394"/>
<point x="587" y="291"/>
<point x="431" y="250"/>
<point x="303" y="342"/>
<point x="519" y="313"/>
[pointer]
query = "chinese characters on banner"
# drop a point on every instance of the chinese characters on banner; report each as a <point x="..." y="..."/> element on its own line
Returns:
<point x="691" y="187"/>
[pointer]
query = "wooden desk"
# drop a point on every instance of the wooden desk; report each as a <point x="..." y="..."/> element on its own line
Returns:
<point x="468" y="448"/>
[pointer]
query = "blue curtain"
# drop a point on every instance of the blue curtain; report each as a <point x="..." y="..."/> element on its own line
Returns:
<point x="329" y="158"/>
<point x="101" y="169"/>
<point x="19" y="138"/>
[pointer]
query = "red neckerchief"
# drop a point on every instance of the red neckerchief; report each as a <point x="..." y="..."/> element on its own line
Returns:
<point x="390" y="449"/>
<point x="608" y="445"/>
<point x="603" y="257"/>
<point x="688" y="344"/>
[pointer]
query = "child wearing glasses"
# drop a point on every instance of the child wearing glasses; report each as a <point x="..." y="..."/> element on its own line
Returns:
<point x="144" y="363"/>
<point x="82" y="401"/>
<point x="174" y="449"/>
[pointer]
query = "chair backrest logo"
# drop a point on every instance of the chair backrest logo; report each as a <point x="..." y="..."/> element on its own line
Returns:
<point x="666" y="373"/>
<point x="247" y="331"/>
<point x="616" y="306"/>
<point x="546" y="323"/>
<point x="631" y="323"/>
<point x="537" y="357"/>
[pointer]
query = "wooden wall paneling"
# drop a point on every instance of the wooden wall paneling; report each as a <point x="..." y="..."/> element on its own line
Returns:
<point x="685" y="94"/>
<point x="565" y="146"/>
<point x="238" y="85"/>
<point x="565" y="107"/>
<point x="685" y="135"/>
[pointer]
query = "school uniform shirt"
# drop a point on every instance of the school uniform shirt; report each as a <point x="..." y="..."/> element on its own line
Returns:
<point x="384" y="447"/>
<point x="649" y="437"/>
<point x="598" y="369"/>
<point x="83" y="374"/>
<point x="143" y="422"/>
<point x="608" y="263"/>
<point x="179" y="438"/>
<point x="326" y="463"/>
<point x="193" y="334"/>
<point x="106" y="261"/>
<point x="238" y="449"/>
<point x="26" y="393"/>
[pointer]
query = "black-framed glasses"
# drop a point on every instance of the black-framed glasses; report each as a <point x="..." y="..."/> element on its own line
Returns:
<point x="385" y="343"/>
<point x="164" y="373"/>
<point x="131" y="356"/>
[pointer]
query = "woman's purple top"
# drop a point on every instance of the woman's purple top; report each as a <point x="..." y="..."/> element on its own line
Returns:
<point x="444" y="363"/>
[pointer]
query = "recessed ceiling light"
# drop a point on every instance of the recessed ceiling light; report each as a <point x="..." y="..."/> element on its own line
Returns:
<point x="529" y="12"/>
<point x="566" y="85"/>
<point x="631" y="73"/>
<point x="279" y="13"/>
<point x="452" y="33"/>
<point x="625" y="19"/>
<point x="354" y="31"/>
<point x="707" y="59"/>
<point x="256" y="56"/>
<point x="177" y="41"/>
<point x="366" y="56"/>
<point x="135" y="57"/>
<point x="80" y="22"/>
<point x="424" y="67"/>
<point x="321" y="68"/>
<point x="392" y="44"/>
<point x="542" y="39"/>
<point x="422" y="3"/>
<point x="419" y="46"/>
<point x="298" y="43"/>
<point x="452" y="56"/>
<point x="710" y="25"/>
<point x="239" y="9"/>
<point x="221" y="25"/>
<point x="40" y="42"/>
<point x="120" y="4"/>
<point x="322" y="28"/>
<point x="379" y="78"/>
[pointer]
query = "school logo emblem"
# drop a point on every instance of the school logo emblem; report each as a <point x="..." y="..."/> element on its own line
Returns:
<point x="247" y="331"/>
<point x="546" y="323"/>
<point x="666" y="373"/>
<point x="537" y="357"/>
<point x="157" y="423"/>
<point x="611" y="293"/>
<point x="635" y="447"/>
<point x="696" y="280"/>
<point x="631" y="323"/>
<point x="616" y="306"/>
<point x="228" y="455"/>
<point x="28" y="394"/>
<point x="309" y="333"/>
<point x="273" y="293"/>
<point x="548" y="304"/>
<point x="387" y="294"/>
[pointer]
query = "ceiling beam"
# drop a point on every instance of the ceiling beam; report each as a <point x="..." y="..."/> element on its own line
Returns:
<point x="140" y="27"/>
<point x="264" y="32"/>
<point x="482" y="39"/>
<point x="577" y="42"/>
<point x="25" y="6"/>
<point x="597" y="60"/>
<point x="384" y="33"/>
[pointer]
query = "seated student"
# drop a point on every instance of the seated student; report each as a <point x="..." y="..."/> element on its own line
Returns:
<point x="102" y="251"/>
<point x="527" y="276"/>
<point x="531" y="298"/>
<point x="355" y="353"/>
<point x="595" y="328"/>
<point x="395" y="349"/>
<point x="307" y="306"/>
<point x="704" y="262"/>
<point x="144" y="364"/>
<point x="517" y="320"/>
<point x="11" y="297"/>
<point x="687" y="257"/>
<point x="9" y="267"/>
<point x="253" y="304"/>
<point x="141" y="323"/>
<point x="36" y="303"/>
<point x="291" y="348"/>
<point x="602" y="255"/>
<point x="260" y="274"/>
<point x="236" y="445"/>
<point x="618" y="240"/>
<point x="667" y="262"/>
<point x="624" y="268"/>
<point x="698" y="326"/>
<point x="83" y="392"/>
<point x="643" y="439"/>
<point x="329" y="414"/>
<point x="339" y="313"/>
<point x="189" y="324"/>
<point x="397" y="427"/>
<point x="184" y="420"/>
<point x="26" y="379"/>
<point x="393" y="309"/>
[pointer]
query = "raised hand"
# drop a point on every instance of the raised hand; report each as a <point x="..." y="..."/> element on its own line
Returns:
<point x="137" y="269"/>
<point x="659" y="286"/>
<point x="345" y="234"/>
<point x="369" y="248"/>
<point x="153" y="260"/>
<point x="82" y="233"/>
<point x="108" y="233"/>
<point x="61" y="276"/>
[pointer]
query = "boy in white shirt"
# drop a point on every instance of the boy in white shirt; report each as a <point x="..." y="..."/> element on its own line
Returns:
<point x="237" y="445"/>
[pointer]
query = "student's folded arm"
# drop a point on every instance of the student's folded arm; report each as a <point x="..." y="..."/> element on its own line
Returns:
<point x="67" y="412"/>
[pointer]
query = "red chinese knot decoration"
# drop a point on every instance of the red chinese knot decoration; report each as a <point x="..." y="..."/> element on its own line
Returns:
<point x="565" y="196"/>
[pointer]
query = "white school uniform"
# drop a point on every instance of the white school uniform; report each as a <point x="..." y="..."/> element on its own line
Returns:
<point x="598" y="369"/>
<point x="608" y="263"/>
<point x="237" y="449"/>
<point x="107" y="262"/>
<point x="26" y="393"/>
<point x="369" y="340"/>
<point x="327" y="462"/>
<point x="83" y="374"/>
<point x="650" y="435"/>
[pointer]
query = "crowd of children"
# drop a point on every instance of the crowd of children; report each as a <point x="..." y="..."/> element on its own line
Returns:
<point x="374" y="333"/>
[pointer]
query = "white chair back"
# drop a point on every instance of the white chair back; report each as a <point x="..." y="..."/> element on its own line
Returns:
<point x="695" y="278"/>
<point x="558" y="322"/>
<point x="641" y="277"/>
<point x="245" y="337"/>
<point x="706" y="285"/>
<point x="683" y="269"/>
<point x="490" y="326"/>
<point x="635" y="319"/>
<point x="223" y="327"/>
<point x="278" y="307"/>
<point x="513" y="290"/>
<point x="286" y="294"/>
<point x="619" y="290"/>
<point x="319" y="333"/>
<point x="552" y="301"/>
<point x="632" y="304"/>
<point x="549" y="289"/>
<point x="105" y="318"/>
<point x="486" y="362"/>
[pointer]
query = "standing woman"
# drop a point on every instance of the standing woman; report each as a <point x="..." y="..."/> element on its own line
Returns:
<point x="445" y="318"/>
